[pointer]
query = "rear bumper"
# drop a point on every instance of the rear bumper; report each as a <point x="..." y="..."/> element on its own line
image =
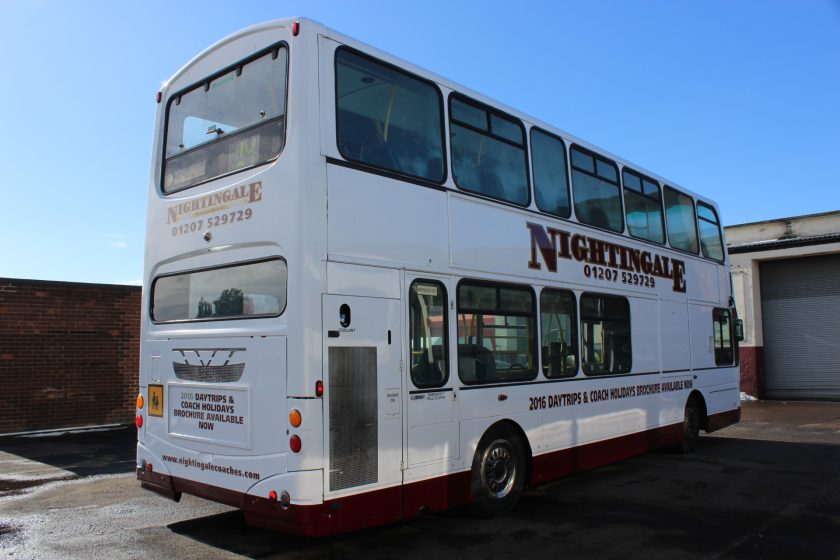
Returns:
<point x="307" y="520"/>
<point x="348" y="513"/>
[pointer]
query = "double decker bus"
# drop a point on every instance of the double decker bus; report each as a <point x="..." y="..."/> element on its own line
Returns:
<point x="371" y="292"/>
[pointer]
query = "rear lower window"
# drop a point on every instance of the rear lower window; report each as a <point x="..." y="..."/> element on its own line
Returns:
<point x="256" y="289"/>
<point x="231" y="121"/>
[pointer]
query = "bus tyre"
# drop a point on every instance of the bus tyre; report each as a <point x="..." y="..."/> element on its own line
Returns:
<point x="691" y="426"/>
<point x="498" y="473"/>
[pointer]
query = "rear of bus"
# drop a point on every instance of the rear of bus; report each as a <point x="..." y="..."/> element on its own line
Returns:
<point x="228" y="408"/>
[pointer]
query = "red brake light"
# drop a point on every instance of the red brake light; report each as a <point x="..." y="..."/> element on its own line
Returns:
<point x="295" y="28"/>
<point x="272" y="495"/>
<point x="295" y="444"/>
<point x="319" y="388"/>
<point x="138" y="421"/>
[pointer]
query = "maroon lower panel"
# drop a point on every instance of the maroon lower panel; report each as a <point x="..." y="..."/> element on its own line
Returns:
<point x="405" y="502"/>
<point x="569" y="461"/>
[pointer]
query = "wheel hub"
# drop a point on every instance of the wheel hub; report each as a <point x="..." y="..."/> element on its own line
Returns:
<point x="499" y="470"/>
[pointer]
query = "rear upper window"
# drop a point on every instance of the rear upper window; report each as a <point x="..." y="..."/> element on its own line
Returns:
<point x="488" y="152"/>
<point x="232" y="121"/>
<point x="596" y="192"/>
<point x="387" y="118"/>
<point x="256" y="289"/>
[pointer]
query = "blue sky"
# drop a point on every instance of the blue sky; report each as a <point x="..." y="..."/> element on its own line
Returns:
<point x="739" y="100"/>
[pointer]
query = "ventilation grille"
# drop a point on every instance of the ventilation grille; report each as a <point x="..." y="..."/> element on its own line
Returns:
<point x="353" y="417"/>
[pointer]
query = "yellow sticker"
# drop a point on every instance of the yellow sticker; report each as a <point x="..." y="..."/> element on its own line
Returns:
<point x="155" y="400"/>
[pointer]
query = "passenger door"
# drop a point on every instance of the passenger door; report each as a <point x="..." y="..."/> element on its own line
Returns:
<point x="432" y="434"/>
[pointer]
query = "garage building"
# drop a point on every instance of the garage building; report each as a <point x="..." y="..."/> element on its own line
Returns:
<point x="786" y="280"/>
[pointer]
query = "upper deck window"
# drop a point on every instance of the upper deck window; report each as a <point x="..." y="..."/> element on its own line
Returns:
<point x="596" y="190"/>
<point x="643" y="205"/>
<point x="710" y="236"/>
<point x="388" y="118"/>
<point x="679" y="215"/>
<point x="232" y="121"/>
<point x="551" y="188"/>
<point x="488" y="152"/>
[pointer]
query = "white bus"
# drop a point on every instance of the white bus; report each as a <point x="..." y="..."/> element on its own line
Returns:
<point x="371" y="292"/>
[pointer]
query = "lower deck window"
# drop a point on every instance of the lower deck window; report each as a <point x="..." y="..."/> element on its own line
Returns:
<point x="605" y="334"/>
<point x="496" y="333"/>
<point x="245" y="290"/>
<point x="428" y="334"/>
<point x="724" y="346"/>
<point x="558" y="326"/>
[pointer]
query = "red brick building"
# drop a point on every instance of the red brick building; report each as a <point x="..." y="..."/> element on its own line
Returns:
<point x="69" y="354"/>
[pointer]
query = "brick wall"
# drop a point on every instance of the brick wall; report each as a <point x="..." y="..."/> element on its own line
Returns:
<point x="69" y="354"/>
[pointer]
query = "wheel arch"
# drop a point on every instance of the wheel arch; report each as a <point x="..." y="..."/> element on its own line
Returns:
<point x="698" y="397"/>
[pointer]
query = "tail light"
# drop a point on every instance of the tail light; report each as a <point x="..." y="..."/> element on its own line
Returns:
<point x="138" y="421"/>
<point x="295" y="418"/>
<point x="295" y="444"/>
<point x="140" y="401"/>
<point x="319" y="388"/>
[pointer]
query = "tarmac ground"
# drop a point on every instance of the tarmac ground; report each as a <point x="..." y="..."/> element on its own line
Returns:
<point x="768" y="487"/>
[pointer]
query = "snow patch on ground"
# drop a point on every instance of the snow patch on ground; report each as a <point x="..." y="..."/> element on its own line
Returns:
<point x="745" y="397"/>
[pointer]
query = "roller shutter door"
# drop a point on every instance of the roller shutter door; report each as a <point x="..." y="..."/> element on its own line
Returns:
<point x="800" y="306"/>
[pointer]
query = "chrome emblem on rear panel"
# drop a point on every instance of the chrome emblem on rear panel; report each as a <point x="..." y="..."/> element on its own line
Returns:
<point x="208" y="365"/>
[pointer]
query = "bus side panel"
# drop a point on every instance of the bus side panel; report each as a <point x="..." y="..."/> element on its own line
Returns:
<point x="408" y="226"/>
<point x="644" y="334"/>
<point x="673" y="320"/>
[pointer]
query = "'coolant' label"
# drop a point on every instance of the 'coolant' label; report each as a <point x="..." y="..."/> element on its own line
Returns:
<point x="216" y="415"/>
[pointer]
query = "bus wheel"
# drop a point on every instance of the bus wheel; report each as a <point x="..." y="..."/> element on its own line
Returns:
<point x="691" y="426"/>
<point x="498" y="473"/>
